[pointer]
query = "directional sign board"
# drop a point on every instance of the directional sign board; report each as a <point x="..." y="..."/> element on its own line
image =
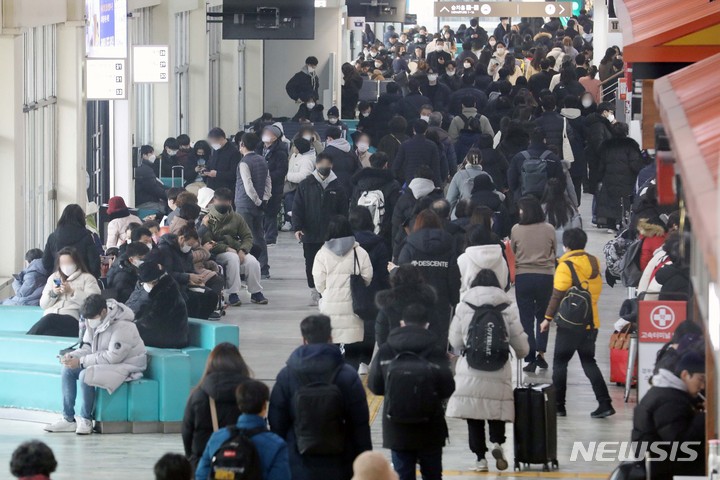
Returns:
<point x="151" y="64"/>
<point x="503" y="9"/>
<point x="106" y="79"/>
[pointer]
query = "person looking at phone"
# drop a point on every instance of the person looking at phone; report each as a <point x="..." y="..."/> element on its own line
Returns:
<point x="65" y="291"/>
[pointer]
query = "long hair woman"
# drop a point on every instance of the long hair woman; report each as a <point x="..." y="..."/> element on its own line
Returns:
<point x="559" y="210"/>
<point x="71" y="231"/>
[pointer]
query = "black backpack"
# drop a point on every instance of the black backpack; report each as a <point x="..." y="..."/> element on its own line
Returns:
<point x="471" y="125"/>
<point x="237" y="458"/>
<point x="319" y="409"/>
<point x="575" y="311"/>
<point x="630" y="264"/>
<point x="534" y="174"/>
<point x="487" y="346"/>
<point x="410" y="393"/>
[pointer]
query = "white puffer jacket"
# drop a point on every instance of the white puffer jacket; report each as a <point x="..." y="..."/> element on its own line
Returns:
<point x="332" y="269"/>
<point x="482" y="257"/>
<point x="114" y="353"/>
<point x="647" y="281"/>
<point x="479" y="394"/>
<point x="83" y="285"/>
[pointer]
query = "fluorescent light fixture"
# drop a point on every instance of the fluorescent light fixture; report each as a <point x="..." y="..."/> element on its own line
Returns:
<point x="320" y="3"/>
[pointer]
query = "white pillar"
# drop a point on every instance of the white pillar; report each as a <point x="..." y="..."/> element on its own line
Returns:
<point x="600" y="31"/>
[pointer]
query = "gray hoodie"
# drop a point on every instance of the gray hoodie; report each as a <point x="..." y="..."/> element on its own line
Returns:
<point x="341" y="144"/>
<point x="324" y="182"/>
<point x="667" y="379"/>
<point x="421" y="187"/>
<point x="340" y="246"/>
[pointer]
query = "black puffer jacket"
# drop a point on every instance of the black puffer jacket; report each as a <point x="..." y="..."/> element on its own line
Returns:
<point x="177" y="264"/>
<point x="551" y="123"/>
<point x="345" y="164"/>
<point x="404" y="213"/>
<point x="620" y="162"/>
<point x="74" y="236"/>
<point x="420" y="436"/>
<point x="413" y="154"/>
<point x="597" y="131"/>
<point x="380" y="255"/>
<point x="675" y="282"/>
<point x="122" y="277"/>
<point x="162" y="317"/>
<point x="197" y="423"/>
<point x="147" y="187"/>
<point x="225" y="162"/>
<point x="313" y="207"/>
<point x="433" y="252"/>
<point x="483" y="193"/>
<point x="386" y="108"/>
<point x="277" y="162"/>
<point x="392" y="302"/>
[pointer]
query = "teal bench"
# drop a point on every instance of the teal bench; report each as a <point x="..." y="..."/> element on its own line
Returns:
<point x="30" y="374"/>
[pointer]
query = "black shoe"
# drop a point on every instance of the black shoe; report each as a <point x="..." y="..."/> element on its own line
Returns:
<point x="604" y="410"/>
<point x="541" y="363"/>
<point x="530" y="367"/>
<point x="561" y="412"/>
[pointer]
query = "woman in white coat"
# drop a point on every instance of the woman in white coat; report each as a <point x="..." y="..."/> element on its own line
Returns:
<point x="63" y="296"/>
<point x="483" y="251"/>
<point x="333" y="266"/>
<point x="482" y="396"/>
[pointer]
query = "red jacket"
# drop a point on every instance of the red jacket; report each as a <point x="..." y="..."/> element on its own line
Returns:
<point x="653" y="236"/>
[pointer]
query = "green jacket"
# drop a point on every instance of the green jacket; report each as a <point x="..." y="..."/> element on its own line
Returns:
<point x="227" y="231"/>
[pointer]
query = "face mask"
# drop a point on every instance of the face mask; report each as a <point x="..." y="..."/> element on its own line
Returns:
<point x="149" y="245"/>
<point x="332" y="120"/>
<point x="500" y="51"/>
<point x="94" y="322"/>
<point x="147" y="287"/>
<point x="587" y="103"/>
<point x="215" y="146"/>
<point x="309" y="138"/>
<point x="492" y="44"/>
<point x="373" y="54"/>
<point x="467" y="65"/>
<point x="378" y="64"/>
<point x="324" y="171"/>
<point x="310" y="105"/>
<point x="151" y="158"/>
<point x="128" y="241"/>
<point x="266" y="139"/>
<point x="362" y="147"/>
<point x="311" y="69"/>
<point x="172" y="153"/>
<point x="425" y="117"/>
<point x="450" y="73"/>
<point x="68" y="269"/>
<point x="185" y="248"/>
<point x="611" y="118"/>
<point x="365" y="114"/>
<point x="432" y="77"/>
<point x="222" y="209"/>
<point x="137" y="262"/>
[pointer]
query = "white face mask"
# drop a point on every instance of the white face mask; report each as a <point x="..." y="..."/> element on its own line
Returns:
<point x="467" y="65"/>
<point x="311" y="69"/>
<point x="128" y="241"/>
<point x="611" y="117"/>
<point x="332" y="120"/>
<point x="432" y="77"/>
<point x="137" y="262"/>
<point x="309" y="138"/>
<point x="172" y="153"/>
<point x="587" y="102"/>
<point x="425" y="117"/>
<point x="500" y="51"/>
<point x="185" y="248"/>
<point x="147" y="287"/>
<point x="450" y="73"/>
<point x="151" y="158"/>
<point x="149" y="245"/>
<point x="378" y="64"/>
<point x="310" y="105"/>
<point x="94" y="322"/>
<point x="68" y="269"/>
<point x="215" y="146"/>
<point x="362" y="147"/>
<point x="266" y="139"/>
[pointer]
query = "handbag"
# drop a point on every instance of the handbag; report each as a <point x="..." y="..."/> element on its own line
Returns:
<point x="567" y="151"/>
<point x="359" y="292"/>
<point x="619" y="352"/>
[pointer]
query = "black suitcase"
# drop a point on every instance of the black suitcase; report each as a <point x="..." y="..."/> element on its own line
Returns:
<point x="535" y="427"/>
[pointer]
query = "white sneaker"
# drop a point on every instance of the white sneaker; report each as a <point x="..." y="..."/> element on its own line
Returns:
<point x="499" y="456"/>
<point x="481" y="466"/>
<point x="363" y="369"/>
<point x="61" y="426"/>
<point x="287" y="227"/>
<point x="84" y="426"/>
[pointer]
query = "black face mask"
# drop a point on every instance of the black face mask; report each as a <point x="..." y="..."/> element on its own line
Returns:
<point x="324" y="171"/>
<point x="222" y="209"/>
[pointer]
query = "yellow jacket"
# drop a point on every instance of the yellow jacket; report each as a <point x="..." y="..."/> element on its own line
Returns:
<point x="587" y="268"/>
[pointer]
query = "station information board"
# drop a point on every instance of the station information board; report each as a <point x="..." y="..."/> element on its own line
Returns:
<point x="503" y="9"/>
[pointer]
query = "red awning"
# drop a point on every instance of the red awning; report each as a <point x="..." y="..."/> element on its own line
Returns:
<point x="649" y="25"/>
<point x="689" y="104"/>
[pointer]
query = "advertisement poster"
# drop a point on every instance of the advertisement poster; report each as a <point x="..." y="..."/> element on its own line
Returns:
<point x="106" y="31"/>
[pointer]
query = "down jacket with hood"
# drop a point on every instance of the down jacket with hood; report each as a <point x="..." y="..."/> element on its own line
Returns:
<point x="122" y="277"/>
<point x="318" y="361"/>
<point x="74" y="236"/>
<point x="113" y="353"/>
<point x="391" y="304"/>
<point x="404" y="211"/>
<point x="334" y="264"/>
<point x="197" y="423"/>
<point x="482" y="257"/>
<point x="597" y="131"/>
<point x="653" y="236"/>
<point x="316" y="200"/>
<point x="484" y="395"/>
<point x="620" y="163"/>
<point x="345" y="163"/>
<point x="83" y="285"/>
<point x="161" y="315"/>
<point x="28" y="285"/>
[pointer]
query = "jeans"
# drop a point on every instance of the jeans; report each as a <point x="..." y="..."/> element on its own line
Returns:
<point x="309" y="252"/>
<point x="533" y="292"/>
<point x="70" y="377"/>
<point x="583" y="342"/>
<point x="430" y="464"/>
<point x="476" y="431"/>
<point x="254" y="219"/>
<point x="233" y="269"/>
<point x="270" y="222"/>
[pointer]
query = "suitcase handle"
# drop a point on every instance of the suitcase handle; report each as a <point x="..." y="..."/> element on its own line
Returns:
<point x="519" y="372"/>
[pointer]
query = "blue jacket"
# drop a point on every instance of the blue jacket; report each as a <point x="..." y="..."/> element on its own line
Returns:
<point x="272" y="450"/>
<point x="28" y="285"/>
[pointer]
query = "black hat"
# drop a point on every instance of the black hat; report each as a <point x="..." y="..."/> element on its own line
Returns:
<point x="333" y="112"/>
<point x="150" y="271"/>
<point x="692" y="362"/>
<point x="629" y="310"/>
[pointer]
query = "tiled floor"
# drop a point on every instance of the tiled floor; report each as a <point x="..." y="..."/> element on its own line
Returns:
<point x="268" y="335"/>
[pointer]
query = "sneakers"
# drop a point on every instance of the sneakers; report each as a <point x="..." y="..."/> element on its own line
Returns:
<point x="314" y="298"/>
<point x="234" y="300"/>
<point x="530" y="367"/>
<point x="286" y="227"/>
<point x="363" y="369"/>
<point x="561" y="412"/>
<point x="214" y="316"/>
<point x="499" y="456"/>
<point x="265" y="276"/>
<point x="258" y="298"/>
<point x="84" y="426"/>
<point x="481" y="465"/>
<point x="61" y="426"/>
<point x="604" y="410"/>
<point x="541" y="363"/>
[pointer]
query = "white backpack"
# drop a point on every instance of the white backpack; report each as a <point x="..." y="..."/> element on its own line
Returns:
<point x="374" y="200"/>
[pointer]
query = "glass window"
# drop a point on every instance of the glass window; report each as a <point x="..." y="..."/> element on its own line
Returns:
<point x="214" y="42"/>
<point x="140" y="25"/>
<point x="182" y="67"/>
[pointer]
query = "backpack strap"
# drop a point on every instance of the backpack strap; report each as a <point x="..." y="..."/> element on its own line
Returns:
<point x="213" y="414"/>
<point x="525" y="155"/>
<point x="356" y="262"/>
<point x="575" y="279"/>
<point x="545" y="155"/>
<point x="465" y="120"/>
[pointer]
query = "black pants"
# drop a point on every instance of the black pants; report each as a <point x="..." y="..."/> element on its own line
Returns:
<point x="476" y="431"/>
<point x="361" y="352"/>
<point x="578" y="183"/>
<point x="309" y="251"/>
<point x="566" y="344"/>
<point x="56" y="325"/>
<point x="201" y="305"/>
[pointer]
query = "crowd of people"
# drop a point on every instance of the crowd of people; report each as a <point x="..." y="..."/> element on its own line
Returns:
<point x="462" y="180"/>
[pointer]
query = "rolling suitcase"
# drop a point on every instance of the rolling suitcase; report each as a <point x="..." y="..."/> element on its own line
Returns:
<point x="535" y="427"/>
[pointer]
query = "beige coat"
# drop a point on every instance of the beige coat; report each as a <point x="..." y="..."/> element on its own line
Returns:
<point x="479" y="394"/>
<point x="117" y="230"/>
<point x="83" y="285"/>
<point x="332" y="279"/>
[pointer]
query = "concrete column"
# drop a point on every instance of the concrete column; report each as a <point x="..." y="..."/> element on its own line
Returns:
<point x="600" y="31"/>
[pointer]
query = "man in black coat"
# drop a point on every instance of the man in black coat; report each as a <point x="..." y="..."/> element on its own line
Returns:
<point x="502" y="29"/>
<point x="149" y="192"/>
<point x="552" y="124"/>
<point x="438" y="58"/>
<point x="670" y="412"/>
<point x="438" y="92"/>
<point x="221" y="169"/>
<point x="316" y="360"/>
<point x="409" y="107"/>
<point x="468" y="89"/>
<point x="415" y="153"/>
<point x="123" y="275"/>
<point x="275" y="152"/>
<point x="413" y="443"/>
<point x="597" y="131"/>
<point x="385" y="109"/>
<point x="540" y="81"/>
<point x="317" y="198"/>
<point x="344" y="162"/>
<point x="305" y="83"/>
<point x="536" y="150"/>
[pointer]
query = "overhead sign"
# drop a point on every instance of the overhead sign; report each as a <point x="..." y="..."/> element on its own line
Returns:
<point x="503" y="9"/>
<point x="356" y="23"/>
<point x="106" y="31"/>
<point x="151" y="64"/>
<point x="105" y="79"/>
